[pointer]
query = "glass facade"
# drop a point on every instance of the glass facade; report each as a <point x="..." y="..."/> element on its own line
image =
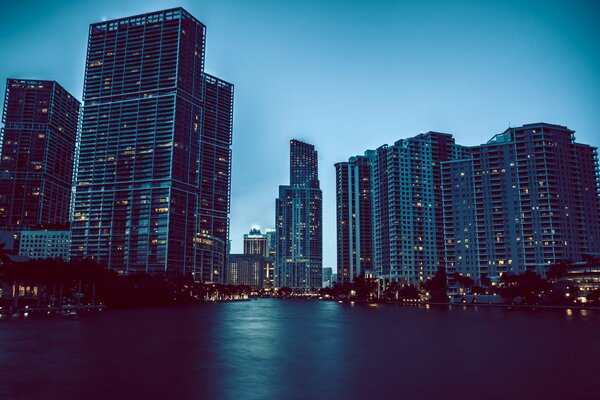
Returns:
<point x="153" y="178"/>
<point x="37" y="154"/>
<point x="298" y="218"/>
<point x="408" y="223"/>
<point x="354" y="217"/>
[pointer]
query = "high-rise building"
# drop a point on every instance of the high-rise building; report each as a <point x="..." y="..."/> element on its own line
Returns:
<point x="526" y="199"/>
<point x="256" y="243"/>
<point x="354" y="217"/>
<point x="408" y="221"/>
<point x="37" y="154"/>
<point x="298" y="217"/>
<point x="153" y="178"/>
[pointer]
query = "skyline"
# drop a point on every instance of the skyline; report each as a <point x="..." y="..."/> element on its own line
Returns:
<point x="318" y="50"/>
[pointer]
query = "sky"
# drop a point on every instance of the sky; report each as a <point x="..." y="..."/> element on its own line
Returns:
<point x="348" y="76"/>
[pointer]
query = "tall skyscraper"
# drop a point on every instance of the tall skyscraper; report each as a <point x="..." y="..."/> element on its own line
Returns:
<point x="526" y="199"/>
<point x="298" y="217"/>
<point x="38" y="148"/>
<point x="153" y="178"/>
<point x="407" y="212"/>
<point x="354" y="217"/>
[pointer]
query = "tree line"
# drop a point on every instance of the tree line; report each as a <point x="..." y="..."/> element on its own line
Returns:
<point x="54" y="282"/>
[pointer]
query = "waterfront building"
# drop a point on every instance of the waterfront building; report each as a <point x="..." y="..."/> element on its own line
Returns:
<point x="526" y="199"/>
<point x="153" y="179"/>
<point x="45" y="243"/>
<point x="37" y="154"/>
<point x="247" y="269"/>
<point x="298" y="216"/>
<point x="354" y="217"/>
<point x="256" y="243"/>
<point x="406" y="199"/>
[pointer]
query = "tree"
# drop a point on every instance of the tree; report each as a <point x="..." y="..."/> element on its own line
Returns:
<point x="409" y="292"/>
<point x="437" y="286"/>
<point x="464" y="281"/>
<point x="559" y="270"/>
<point x="485" y="280"/>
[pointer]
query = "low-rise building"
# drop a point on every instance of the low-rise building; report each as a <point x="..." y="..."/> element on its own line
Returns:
<point x="45" y="244"/>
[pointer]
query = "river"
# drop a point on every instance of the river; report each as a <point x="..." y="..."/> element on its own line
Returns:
<point x="303" y="349"/>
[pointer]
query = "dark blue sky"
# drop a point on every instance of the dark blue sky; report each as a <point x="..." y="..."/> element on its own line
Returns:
<point x="349" y="75"/>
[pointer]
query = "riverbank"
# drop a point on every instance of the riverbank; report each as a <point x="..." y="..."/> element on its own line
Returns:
<point x="417" y="303"/>
<point x="50" y="310"/>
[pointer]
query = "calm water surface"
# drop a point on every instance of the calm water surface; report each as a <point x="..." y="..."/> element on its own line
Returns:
<point x="302" y="349"/>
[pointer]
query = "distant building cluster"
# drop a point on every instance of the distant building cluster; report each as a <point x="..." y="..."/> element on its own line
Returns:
<point x="254" y="267"/>
<point x="526" y="199"/>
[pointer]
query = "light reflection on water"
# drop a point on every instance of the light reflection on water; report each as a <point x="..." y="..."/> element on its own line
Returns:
<point x="296" y="349"/>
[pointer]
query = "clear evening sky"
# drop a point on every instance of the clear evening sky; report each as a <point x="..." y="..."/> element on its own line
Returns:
<point x="349" y="75"/>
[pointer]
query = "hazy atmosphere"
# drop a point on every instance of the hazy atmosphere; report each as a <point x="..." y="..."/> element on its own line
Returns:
<point x="349" y="75"/>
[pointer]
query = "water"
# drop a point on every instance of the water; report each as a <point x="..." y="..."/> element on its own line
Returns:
<point x="302" y="349"/>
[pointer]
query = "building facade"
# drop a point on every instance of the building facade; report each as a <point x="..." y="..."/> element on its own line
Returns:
<point x="526" y="199"/>
<point x="298" y="216"/>
<point x="37" y="154"/>
<point x="354" y="217"/>
<point x="153" y="178"/>
<point x="408" y="223"/>
<point x="271" y="241"/>
<point x="45" y="243"/>
<point x="247" y="269"/>
<point x="256" y="243"/>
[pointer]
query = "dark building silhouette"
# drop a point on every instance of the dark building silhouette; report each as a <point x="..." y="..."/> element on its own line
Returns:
<point x="298" y="217"/>
<point x="524" y="200"/>
<point x="354" y="217"/>
<point x="38" y="150"/>
<point x="153" y="178"/>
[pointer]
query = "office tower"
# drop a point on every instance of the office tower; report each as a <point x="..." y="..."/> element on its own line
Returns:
<point x="407" y="212"/>
<point x="38" y="147"/>
<point x="354" y="217"/>
<point x="528" y="198"/>
<point x="247" y="269"/>
<point x="153" y="179"/>
<point x="298" y="216"/>
<point x="256" y="243"/>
